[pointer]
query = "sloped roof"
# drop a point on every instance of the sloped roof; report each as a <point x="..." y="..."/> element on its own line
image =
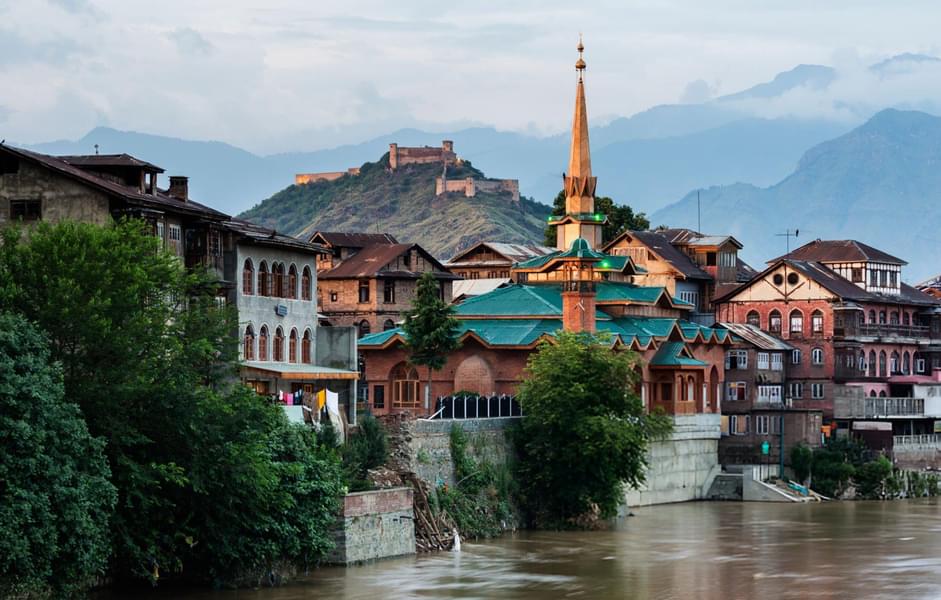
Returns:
<point x="662" y="247"/>
<point x="513" y="253"/>
<point x="108" y="160"/>
<point x="476" y="287"/>
<point x="840" y="251"/>
<point x="675" y="354"/>
<point x="517" y="300"/>
<point x="353" y="239"/>
<point x="369" y="261"/>
<point x="263" y="236"/>
<point x="756" y="337"/>
<point x="159" y="201"/>
<point x="688" y="237"/>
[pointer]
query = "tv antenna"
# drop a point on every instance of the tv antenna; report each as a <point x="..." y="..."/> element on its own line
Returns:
<point x="787" y="235"/>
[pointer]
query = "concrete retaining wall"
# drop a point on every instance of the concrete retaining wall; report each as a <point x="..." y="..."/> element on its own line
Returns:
<point x="682" y="467"/>
<point x="430" y="446"/>
<point x="374" y="525"/>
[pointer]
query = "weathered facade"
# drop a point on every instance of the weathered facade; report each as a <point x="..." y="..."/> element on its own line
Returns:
<point x="493" y="260"/>
<point x="399" y="156"/>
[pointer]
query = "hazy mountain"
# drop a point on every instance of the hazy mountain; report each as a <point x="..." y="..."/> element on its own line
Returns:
<point x="403" y="203"/>
<point x="880" y="184"/>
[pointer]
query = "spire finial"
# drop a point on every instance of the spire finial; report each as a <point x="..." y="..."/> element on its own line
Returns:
<point x="580" y="63"/>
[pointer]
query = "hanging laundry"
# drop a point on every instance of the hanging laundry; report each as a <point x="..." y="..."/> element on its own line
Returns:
<point x="321" y="399"/>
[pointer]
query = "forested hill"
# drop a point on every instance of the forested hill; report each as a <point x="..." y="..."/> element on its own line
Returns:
<point x="403" y="203"/>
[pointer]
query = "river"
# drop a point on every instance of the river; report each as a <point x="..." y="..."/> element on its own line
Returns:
<point x="707" y="550"/>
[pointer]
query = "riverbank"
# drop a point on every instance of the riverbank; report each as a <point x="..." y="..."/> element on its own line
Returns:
<point x="710" y="550"/>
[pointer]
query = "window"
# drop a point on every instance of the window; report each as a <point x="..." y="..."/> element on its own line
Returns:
<point x="735" y="390"/>
<point x="763" y="362"/>
<point x="263" y="343"/>
<point x="871" y="367"/>
<point x="174" y="237"/>
<point x="882" y="317"/>
<point x="364" y="291"/>
<point x="753" y="318"/>
<point x="894" y="363"/>
<point x="816" y="391"/>
<point x="389" y="324"/>
<point x="277" y="348"/>
<point x="710" y="259"/>
<point x="777" y="362"/>
<point x="761" y="424"/>
<point x="872" y="316"/>
<point x="816" y="322"/>
<point x="882" y="363"/>
<point x="691" y="297"/>
<point x="364" y="328"/>
<point x="306" y="284"/>
<point x="264" y="281"/>
<point x="379" y="396"/>
<point x="857" y="275"/>
<point x="405" y="392"/>
<point x="277" y="280"/>
<point x="796" y="321"/>
<point x="215" y="243"/>
<point x="333" y="296"/>
<point x="774" y="322"/>
<point x="736" y="359"/>
<point x="905" y="318"/>
<point x="777" y="278"/>
<point x="893" y="279"/>
<point x="816" y="356"/>
<point x="161" y="234"/>
<point x="920" y="365"/>
<point x="292" y="346"/>
<point x="726" y="259"/>
<point x="388" y="291"/>
<point x="25" y="210"/>
<point x="292" y="283"/>
<point x="407" y="259"/>
<point x="894" y="318"/>
<point x="248" y="278"/>
<point x="795" y="356"/>
<point x="796" y="389"/>
<point x="738" y="424"/>
<point x="248" y="344"/>
<point x="305" y="348"/>
<point x="769" y="394"/>
<point x="906" y="363"/>
<point x="9" y="164"/>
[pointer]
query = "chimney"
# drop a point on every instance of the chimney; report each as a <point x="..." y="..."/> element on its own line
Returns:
<point x="179" y="187"/>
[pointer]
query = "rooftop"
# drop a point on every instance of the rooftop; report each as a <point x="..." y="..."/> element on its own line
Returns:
<point x="841" y="251"/>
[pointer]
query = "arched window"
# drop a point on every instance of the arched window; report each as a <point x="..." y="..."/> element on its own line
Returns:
<point x="690" y="390"/>
<point x="264" y="281"/>
<point x="277" y="348"/>
<point x="305" y="348"/>
<point x="894" y="318"/>
<point x="796" y="321"/>
<point x="882" y="363"/>
<point x="872" y="393"/>
<point x="816" y="356"/>
<point x="364" y="328"/>
<point x="263" y="343"/>
<point x="404" y="380"/>
<point x="872" y="317"/>
<point x="774" y="321"/>
<point x="906" y="320"/>
<point x="861" y="363"/>
<point x="389" y="324"/>
<point x="292" y="346"/>
<point x="305" y="284"/>
<point x="882" y="317"/>
<point x="292" y="283"/>
<point x="882" y="394"/>
<point x="816" y="322"/>
<point x="277" y="273"/>
<point x="894" y="363"/>
<point x="753" y="318"/>
<point x="871" y="367"/>
<point x="248" y="344"/>
<point x="248" y="278"/>
<point x="906" y="363"/>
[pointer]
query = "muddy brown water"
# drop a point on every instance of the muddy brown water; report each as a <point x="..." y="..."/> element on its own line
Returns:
<point x="705" y="550"/>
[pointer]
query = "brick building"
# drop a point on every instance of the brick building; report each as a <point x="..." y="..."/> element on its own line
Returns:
<point x="851" y="320"/>
<point x="573" y="288"/>
<point x="369" y="280"/>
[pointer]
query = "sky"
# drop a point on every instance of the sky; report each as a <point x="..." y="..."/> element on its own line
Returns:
<point x="284" y="75"/>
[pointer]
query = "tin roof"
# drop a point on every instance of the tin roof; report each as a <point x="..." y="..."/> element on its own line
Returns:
<point x="840" y="251"/>
<point x="264" y="236"/>
<point x="372" y="260"/>
<point x="756" y="337"/>
<point x="338" y="239"/>
<point x="512" y="253"/>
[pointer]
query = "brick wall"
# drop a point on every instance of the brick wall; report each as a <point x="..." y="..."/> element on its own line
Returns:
<point x="373" y="525"/>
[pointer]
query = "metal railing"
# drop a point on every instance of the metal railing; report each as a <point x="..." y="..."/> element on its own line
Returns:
<point x="476" y="407"/>
<point x="927" y="440"/>
<point x="883" y="330"/>
<point x="869" y="407"/>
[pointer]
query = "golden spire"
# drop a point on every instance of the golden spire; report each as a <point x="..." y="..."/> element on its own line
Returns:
<point x="580" y="155"/>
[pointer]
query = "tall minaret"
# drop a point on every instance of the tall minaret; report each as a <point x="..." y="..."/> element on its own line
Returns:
<point x="580" y="220"/>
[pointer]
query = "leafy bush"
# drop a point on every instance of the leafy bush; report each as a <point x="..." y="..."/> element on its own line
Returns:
<point x="55" y="497"/>
<point x="802" y="460"/>
<point x="870" y="478"/>
<point x="366" y="449"/>
<point x="834" y="465"/>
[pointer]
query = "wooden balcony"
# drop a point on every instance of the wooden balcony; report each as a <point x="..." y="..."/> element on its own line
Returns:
<point x="878" y="408"/>
<point x="884" y="330"/>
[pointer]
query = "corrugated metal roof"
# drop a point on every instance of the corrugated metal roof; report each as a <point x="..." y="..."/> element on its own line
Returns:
<point x="369" y="261"/>
<point x="108" y="160"/>
<point x="338" y="239"/>
<point x="675" y="354"/>
<point x="756" y="337"/>
<point x="269" y="237"/>
<point x="476" y="287"/>
<point x="664" y="248"/>
<point x="840" y="251"/>
<point x="511" y="253"/>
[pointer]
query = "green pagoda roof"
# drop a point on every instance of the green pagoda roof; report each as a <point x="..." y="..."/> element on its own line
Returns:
<point x="675" y="354"/>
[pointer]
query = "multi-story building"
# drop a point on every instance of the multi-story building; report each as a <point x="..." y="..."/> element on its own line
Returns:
<point x="755" y="406"/>
<point x="694" y="267"/>
<point x="856" y="328"/>
<point x="493" y="260"/>
<point x="369" y="280"/>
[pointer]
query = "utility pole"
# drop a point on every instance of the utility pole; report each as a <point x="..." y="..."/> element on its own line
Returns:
<point x="787" y="235"/>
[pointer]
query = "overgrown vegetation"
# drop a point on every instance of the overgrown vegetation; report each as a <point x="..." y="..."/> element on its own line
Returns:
<point x="620" y="218"/>
<point x="403" y="203"/>
<point x="585" y="434"/>
<point x="479" y="502"/>
<point x="213" y="484"/>
<point x="365" y="449"/>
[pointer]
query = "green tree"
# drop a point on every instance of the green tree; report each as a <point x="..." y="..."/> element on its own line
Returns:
<point x="802" y="460"/>
<point x="430" y="327"/>
<point x="835" y="464"/>
<point x="206" y="471"/>
<point x="620" y="218"/>
<point x="366" y="449"/>
<point x="585" y="433"/>
<point x="871" y="478"/>
<point x="55" y="497"/>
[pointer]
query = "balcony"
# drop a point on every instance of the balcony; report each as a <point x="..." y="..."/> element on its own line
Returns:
<point x="878" y="408"/>
<point x="884" y="330"/>
<point x="928" y="441"/>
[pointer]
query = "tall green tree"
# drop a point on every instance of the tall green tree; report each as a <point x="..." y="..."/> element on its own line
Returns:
<point x="585" y="434"/>
<point x="213" y="483"/>
<point x="430" y="327"/>
<point x="55" y="497"/>
<point x="620" y="218"/>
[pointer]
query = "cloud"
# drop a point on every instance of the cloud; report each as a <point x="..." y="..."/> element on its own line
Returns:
<point x="74" y="6"/>
<point x="16" y="49"/>
<point x="190" y="42"/>
<point x="697" y="92"/>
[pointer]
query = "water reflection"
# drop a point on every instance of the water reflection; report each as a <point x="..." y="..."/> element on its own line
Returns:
<point x="711" y="551"/>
